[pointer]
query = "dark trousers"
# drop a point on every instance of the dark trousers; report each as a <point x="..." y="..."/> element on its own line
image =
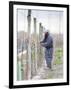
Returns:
<point x="48" y="62"/>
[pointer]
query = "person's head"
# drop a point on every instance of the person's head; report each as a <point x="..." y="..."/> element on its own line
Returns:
<point x="45" y="32"/>
<point x="46" y="35"/>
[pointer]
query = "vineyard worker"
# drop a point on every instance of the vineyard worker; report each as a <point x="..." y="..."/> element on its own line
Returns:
<point x="47" y="42"/>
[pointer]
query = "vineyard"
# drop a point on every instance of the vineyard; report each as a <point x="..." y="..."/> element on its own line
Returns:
<point x="30" y="55"/>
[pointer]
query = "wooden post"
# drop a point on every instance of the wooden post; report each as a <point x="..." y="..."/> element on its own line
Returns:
<point x="22" y="64"/>
<point x="29" y="44"/>
<point x="40" y="47"/>
<point x="35" y="35"/>
<point x="32" y="58"/>
<point x="27" y="66"/>
<point x="42" y="39"/>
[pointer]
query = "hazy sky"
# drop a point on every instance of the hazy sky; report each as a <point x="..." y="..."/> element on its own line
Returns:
<point x="51" y="20"/>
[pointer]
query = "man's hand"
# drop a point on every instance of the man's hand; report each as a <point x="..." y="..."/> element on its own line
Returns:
<point x="41" y="43"/>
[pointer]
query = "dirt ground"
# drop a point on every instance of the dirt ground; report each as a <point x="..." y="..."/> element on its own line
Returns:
<point x="45" y="73"/>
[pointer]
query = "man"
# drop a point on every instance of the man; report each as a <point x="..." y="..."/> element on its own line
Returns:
<point x="48" y="44"/>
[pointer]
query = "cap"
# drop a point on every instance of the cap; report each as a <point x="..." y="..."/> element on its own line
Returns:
<point x="45" y="30"/>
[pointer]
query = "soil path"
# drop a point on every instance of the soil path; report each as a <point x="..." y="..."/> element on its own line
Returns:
<point x="45" y="73"/>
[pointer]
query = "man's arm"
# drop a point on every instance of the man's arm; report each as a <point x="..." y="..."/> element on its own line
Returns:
<point x="42" y="41"/>
<point x="47" y="43"/>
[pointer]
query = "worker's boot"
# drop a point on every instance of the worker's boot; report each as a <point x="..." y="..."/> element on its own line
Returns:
<point x="50" y="67"/>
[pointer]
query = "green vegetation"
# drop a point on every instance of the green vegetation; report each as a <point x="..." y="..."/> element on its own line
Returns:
<point x="58" y="56"/>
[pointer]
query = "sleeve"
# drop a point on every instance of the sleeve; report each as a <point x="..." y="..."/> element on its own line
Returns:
<point x="42" y="41"/>
<point x="47" y="43"/>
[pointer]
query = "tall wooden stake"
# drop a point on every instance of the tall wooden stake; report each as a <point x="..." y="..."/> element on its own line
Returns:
<point x="35" y="35"/>
<point x="29" y="43"/>
<point x="40" y="47"/>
